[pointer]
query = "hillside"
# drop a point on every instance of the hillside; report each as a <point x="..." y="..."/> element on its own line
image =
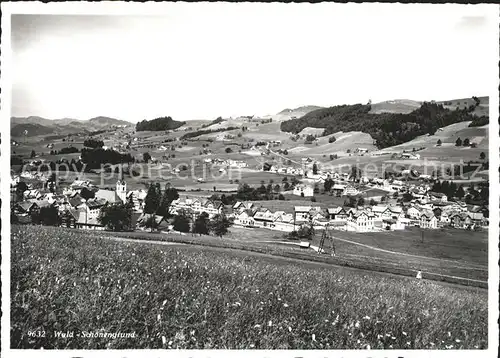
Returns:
<point x="107" y="121"/>
<point x="303" y="109"/>
<point x="388" y="129"/>
<point x="32" y="129"/>
<point x="395" y="106"/>
<point x="40" y="126"/>
<point x="158" y="124"/>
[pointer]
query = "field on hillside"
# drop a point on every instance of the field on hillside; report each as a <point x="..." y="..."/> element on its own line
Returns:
<point x="175" y="297"/>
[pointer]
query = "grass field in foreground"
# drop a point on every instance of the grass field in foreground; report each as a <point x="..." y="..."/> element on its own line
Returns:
<point x="174" y="297"/>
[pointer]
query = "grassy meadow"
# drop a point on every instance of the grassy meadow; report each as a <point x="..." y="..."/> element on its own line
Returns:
<point x="177" y="297"/>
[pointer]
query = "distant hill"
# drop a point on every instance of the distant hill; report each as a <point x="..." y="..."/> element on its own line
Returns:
<point x="387" y="129"/>
<point x="32" y="129"/>
<point x="107" y="121"/>
<point x="299" y="110"/>
<point x="40" y="126"/>
<point x="158" y="124"/>
<point x="395" y="106"/>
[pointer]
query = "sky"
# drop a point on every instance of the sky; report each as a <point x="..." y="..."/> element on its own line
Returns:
<point x="202" y="60"/>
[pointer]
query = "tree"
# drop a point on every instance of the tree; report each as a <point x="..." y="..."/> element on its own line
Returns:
<point x="313" y="199"/>
<point x="201" y="224"/>
<point x="33" y="154"/>
<point x="458" y="142"/>
<point x="281" y="196"/>
<point x="116" y="217"/>
<point x="439" y="143"/>
<point x="152" y="200"/>
<point x="219" y="224"/>
<point x="20" y="189"/>
<point x="332" y="139"/>
<point x="482" y="156"/>
<point x="169" y="194"/>
<point x="395" y="195"/>
<point x="151" y="223"/>
<point x="87" y="194"/>
<point x="355" y="173"/>
<point x="360" y="202"/>
<point x="460" y="193"/>
<point x="181" y="222"/>
<point x="49" y="215"/>
<point x="466" y="142"/>
<point x="315" y="169"/>
<point x="229" y="150"/>
<point x="146" y="157"/>
<point x="373" y="202"/>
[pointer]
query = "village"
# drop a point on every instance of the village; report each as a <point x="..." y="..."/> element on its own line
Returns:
<point x="395" y="204"/>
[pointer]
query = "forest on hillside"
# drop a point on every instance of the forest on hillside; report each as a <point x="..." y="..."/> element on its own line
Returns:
<point x="387" y="129"/>
<point x="158" y="124"/>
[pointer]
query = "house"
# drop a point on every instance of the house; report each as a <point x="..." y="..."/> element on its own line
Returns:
<point x="338" y="189"/>
<point x="284" y="222"/>
<point x="397" y="212"/>
<point x="432" y="195"/>
<point x="69" y="218"/>
<point x="350" y="190"/>
<point x="413" y="212"/>
<point x="410" y="156"/>
<point x="109" y="196"/>
<point x="27" y="208"/>
<point x="428" y="220"/>
<point x="92" y="208"/>
<point x="244" y="218"/>
<point x="381" y="211"/>
<point x="85" y="222"/>
<point x="303" y="213"/>
<point x="360" y="221"/>
<point x="337" y="213"/>
<point x="461" y="220"/>
<point x="212" y="207"/>
<point x="264" y="218"/>
<point x="303" y="190"/>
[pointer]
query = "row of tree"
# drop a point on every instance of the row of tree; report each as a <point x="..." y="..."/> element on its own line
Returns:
<point x="93" y="143"/>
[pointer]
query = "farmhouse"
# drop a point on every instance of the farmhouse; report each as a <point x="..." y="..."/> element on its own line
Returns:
<point x="432" y="195"/>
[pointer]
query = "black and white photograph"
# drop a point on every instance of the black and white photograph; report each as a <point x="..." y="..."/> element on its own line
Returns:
<point x="258" y="177"/>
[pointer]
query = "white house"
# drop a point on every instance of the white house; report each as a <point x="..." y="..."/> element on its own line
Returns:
<point x="303" y="190"/>
<point x="414" y="212"/>
<point x="428" y="220"/>
<point x="361" y="221"/>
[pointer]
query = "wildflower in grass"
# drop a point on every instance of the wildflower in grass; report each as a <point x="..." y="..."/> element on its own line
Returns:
<point x="163" y="340"/>
<point x="289" y="329"/>
<point x="252" y="345"/>
<point x="458" y="340"/>
<point x="408" y="343"/>
<point x="314" y="337"/>
<point x="164" y="302"/>
<point x="393" y="338"/>
<point x="368" y="346"/>
<point x="356" y="324"/>
<point x="359" y="341"/>
<point x="449" y="334"/>
<point x="147" y="293"/>
<point x="366" y="317"/>
<point x="158" y="317"/>
<point x="404" y="333"/>
<point x="270" y="323"/>
<point x="450" y="346"/>
<point x="285" y="305"/>
<point x="257" y="326"/>
<point x="432" y="344"/>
